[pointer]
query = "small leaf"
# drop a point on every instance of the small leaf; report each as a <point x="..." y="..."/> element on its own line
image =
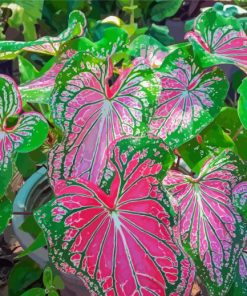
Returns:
<point x="24" y="273"/>
<point x="53" y="293"/>
<point x="58" y="282"/>
<point x="240" y="199"/>
<point x="34" y="292"/>
<point x="242" y="103"/>
<point x="38" y="243"/>
<point x="47" y="277"/>
<point x="5" y="213"/>
<point x="27" y="70"/>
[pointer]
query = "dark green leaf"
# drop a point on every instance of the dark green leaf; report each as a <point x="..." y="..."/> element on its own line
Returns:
<point x="22" y="276"/>
<point x="161" y="33"/>
<point x="30" y="226"/>
<point x="25" y="165"/>
<point x="165" y="9"/>
<point x="5" y="213"/>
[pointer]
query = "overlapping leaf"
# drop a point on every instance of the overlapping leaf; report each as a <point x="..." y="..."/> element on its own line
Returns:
<point x="92" y="113"/>
<point x="240" y="198"/>
<point x="40" y="89"/>
<point x="27" y="134"/>
<point x="120" y="242"/>
<point x="218" y="40"/>
<point x="190" y="98"/>
<point x="211" y="229"/>
<point x="46" y="45"/>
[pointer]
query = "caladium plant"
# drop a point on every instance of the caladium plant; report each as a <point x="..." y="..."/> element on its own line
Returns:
<point x="120" y="242"/>
<point x="28" y="133"/>
<point x="210" y="227"/>
<point x="136" y="210"/>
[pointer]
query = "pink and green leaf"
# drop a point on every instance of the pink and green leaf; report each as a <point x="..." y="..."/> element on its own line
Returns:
<point x="46" y="45"/>
<point x="120" y="242"/>
<point x="217" y="39"/>
<point x="190" y="98"/>
<point x="212" y="231"/>
<point x="239" y="198"/>
<point x="92" y="113"/>
<point x="27" y="134"/>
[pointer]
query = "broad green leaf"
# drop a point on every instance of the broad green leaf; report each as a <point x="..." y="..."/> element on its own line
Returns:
<point x="5" y="213"/>
<point x="27" y="134"/>
<point x="25" y="165"/>
<point x="190" y="98"/>
<point x="27" y="70"/>
<point x="92" y="113"/>
<point x="46" y="45"/>
<point x="34" y="292"/>
<point x="242" y="103"/>
<point x="209" y="143"/>
<point x="161" y="33"/>
<point x="24" y="273"/>
<point x="26" y="14"/>
<point x="39" y="242"/>
<point x="211" y="230"/>
<point x="107" y="231"/>
<point x="47" y="276"/>
<point x="217" y="39"/>
<point x="164" y="9"/>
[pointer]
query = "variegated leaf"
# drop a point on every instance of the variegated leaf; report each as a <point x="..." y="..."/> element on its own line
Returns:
<point x="240" y="198"/>
<point x="217" y="39"/>
<point x="27" y="134"/>
<point x="40" y="89"/>
<point x="92" y="113"/>
<point x="211" y="230"/>
<point x="120" y="243"/>
<point x="46" y="45"/>
<point x="190" y="98"/>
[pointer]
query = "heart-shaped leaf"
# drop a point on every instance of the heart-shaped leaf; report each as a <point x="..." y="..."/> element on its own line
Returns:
<point x="190" y="98"/>
<point x="40" y="89"/>
<point x="92" y="114"/>
<point x="27" y="134"/>
<point x="211" y="230"/>
<point x="46" y="45"/>
<point x="119" y="243"/>
<point x="217" y="39"/>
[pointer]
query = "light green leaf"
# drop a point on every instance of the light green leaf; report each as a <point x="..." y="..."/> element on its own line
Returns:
<point x="35" y="292"/>
<point x="27" y="70"/>
<point x="47" y="277"/>
<point x="58" y="282"/>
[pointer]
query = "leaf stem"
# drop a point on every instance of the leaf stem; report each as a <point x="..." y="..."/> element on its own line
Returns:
<point x="22" y="213"/>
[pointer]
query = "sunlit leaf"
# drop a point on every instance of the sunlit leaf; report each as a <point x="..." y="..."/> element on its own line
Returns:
<point x="92" y="113"/>
<point x="120" y="242"/>
<point x="210" y="228"/>
<point x="218" y="40"/>
<point x="190" y="98"/>
<point x="46" y="45"/>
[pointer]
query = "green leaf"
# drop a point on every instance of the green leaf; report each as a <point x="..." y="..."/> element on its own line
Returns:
<point x="38" y="243"/>
<point x="161" y="33"/>
<point x="23" y="275"/>
<point x="6" y="172"/>
<point x="53" y="293"/>
<point x="48" y="277"/>
<point x="25" y="165"/>
<point x="5" y="213"/>
<point x="30" y="226"/>
<point x="34" y="292"/>
<point x="242" y="103"/>
<point x="165" y="9"/>
<point x="27" y="70"/>
<point x="26" y="14"/>
<point x="58" y="282"/>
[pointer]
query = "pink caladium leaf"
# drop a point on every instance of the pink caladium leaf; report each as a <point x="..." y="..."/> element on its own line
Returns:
<point x="46" y="45"/>
<point x="120" y="242"/>
<point x="211" y="230"/>
<point x="40" y="89"/>
<point x="190" y="98"/>
<point x="217" y="39"/>
<point x="27" y="134"/>
<point x="92" y="114"/>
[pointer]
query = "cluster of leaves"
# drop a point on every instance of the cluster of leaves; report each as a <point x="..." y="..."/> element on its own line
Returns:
<point x="147" y="160"/>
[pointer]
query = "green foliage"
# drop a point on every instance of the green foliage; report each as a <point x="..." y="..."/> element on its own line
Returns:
<point x="242" y="103"/>
<point x="164" y="9"/>
<point x="5" y="213"/>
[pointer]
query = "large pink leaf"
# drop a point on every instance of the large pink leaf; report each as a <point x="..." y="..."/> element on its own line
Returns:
<point x="190" y="98"/>
<point x="92" y="114"/>
<point x="218" y="40"/>
<point x="120" y="242"/>
<point x="211" y="229"/>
